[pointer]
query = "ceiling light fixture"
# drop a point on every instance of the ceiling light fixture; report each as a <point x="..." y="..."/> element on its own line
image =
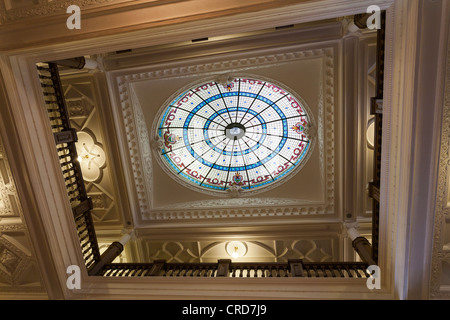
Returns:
<point x="236" y="249"/>
<point x="370" y="134"/>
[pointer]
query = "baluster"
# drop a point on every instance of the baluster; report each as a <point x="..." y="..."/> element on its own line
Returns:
<point x="137" y="272"/>
<point x="366" y="274"/>
<point x="240" y="271"/>
<point x="113" y="272"/>
<point x="348" y="272"/>
<point x="316" y="272"/>
<point x="144" y="273"/>
<point x="358" y="273"/>
<point x="255" y="275"/>
<point x="324" y="271"/>
<point x="333" y="271"/>
<point x="128" y="272"/>
<point x="120" y="273"/>
<point x="306" y="269"/>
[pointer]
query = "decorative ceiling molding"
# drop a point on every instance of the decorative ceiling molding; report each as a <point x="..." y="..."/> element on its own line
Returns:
<point x="139" y="146"/>
<point x="9" y="201"/>
<point x="50" y="18"/>
<point x="440" y="284"/>
<point x="141" y="155"/>
<point x="102" y="204"/>
<point x="84" y="108"/>
<point x="205" y="52"/>
<point x="312" y="250"/>
<point x="10" y="11"/>
<point x="246" y="202"/>
<point x="18" y="271"/>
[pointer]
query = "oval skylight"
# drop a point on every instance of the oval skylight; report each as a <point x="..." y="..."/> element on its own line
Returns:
<point x="233" y="134"/>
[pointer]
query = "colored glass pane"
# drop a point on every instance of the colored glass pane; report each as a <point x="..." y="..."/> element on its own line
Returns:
<point x="247" y="133"/>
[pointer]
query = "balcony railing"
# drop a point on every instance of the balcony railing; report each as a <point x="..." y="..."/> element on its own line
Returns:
<point x="225" y="268"/>
<point x="65" y="139"/>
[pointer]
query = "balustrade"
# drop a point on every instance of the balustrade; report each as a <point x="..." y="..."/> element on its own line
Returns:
<point x="65" y="138"/>
<point x="238" y="270"/>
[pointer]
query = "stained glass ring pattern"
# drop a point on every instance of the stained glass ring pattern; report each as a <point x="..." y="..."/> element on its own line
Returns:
<point x="245" y="134"/>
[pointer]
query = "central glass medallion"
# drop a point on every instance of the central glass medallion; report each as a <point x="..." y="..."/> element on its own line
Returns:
<point x="245" y="134"/>
<point x="234" y="131"/>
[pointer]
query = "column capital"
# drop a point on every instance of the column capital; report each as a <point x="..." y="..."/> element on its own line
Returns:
<point x="128" y="234"/>
<point x="95" y="63"/>
<point x="353" y="224"/>
<point x="350" y="29"/>
<point x="352" y="231"/>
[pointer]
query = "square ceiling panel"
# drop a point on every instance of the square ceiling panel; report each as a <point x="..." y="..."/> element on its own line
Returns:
<point x="307" y="73"/>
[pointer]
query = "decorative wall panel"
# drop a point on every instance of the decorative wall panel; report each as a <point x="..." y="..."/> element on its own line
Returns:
<point x="84" y="113"/>
<point x="18" y="267"/>
<point x="311" y="250"/>
<point x="9" y="202"/>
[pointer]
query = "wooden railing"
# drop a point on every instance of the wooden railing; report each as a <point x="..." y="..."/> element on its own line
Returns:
<point x="237" y="270"/>
<point x="65" y="139"/>
<point x="336" y="269"/>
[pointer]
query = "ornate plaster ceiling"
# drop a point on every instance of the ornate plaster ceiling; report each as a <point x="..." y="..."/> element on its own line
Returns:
<point x="309" y="72"/>
<point x="114" y="205"/>
<point x="114" y="112"/>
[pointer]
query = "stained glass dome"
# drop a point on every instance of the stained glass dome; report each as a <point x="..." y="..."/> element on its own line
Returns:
<point x="233" y="134"/>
